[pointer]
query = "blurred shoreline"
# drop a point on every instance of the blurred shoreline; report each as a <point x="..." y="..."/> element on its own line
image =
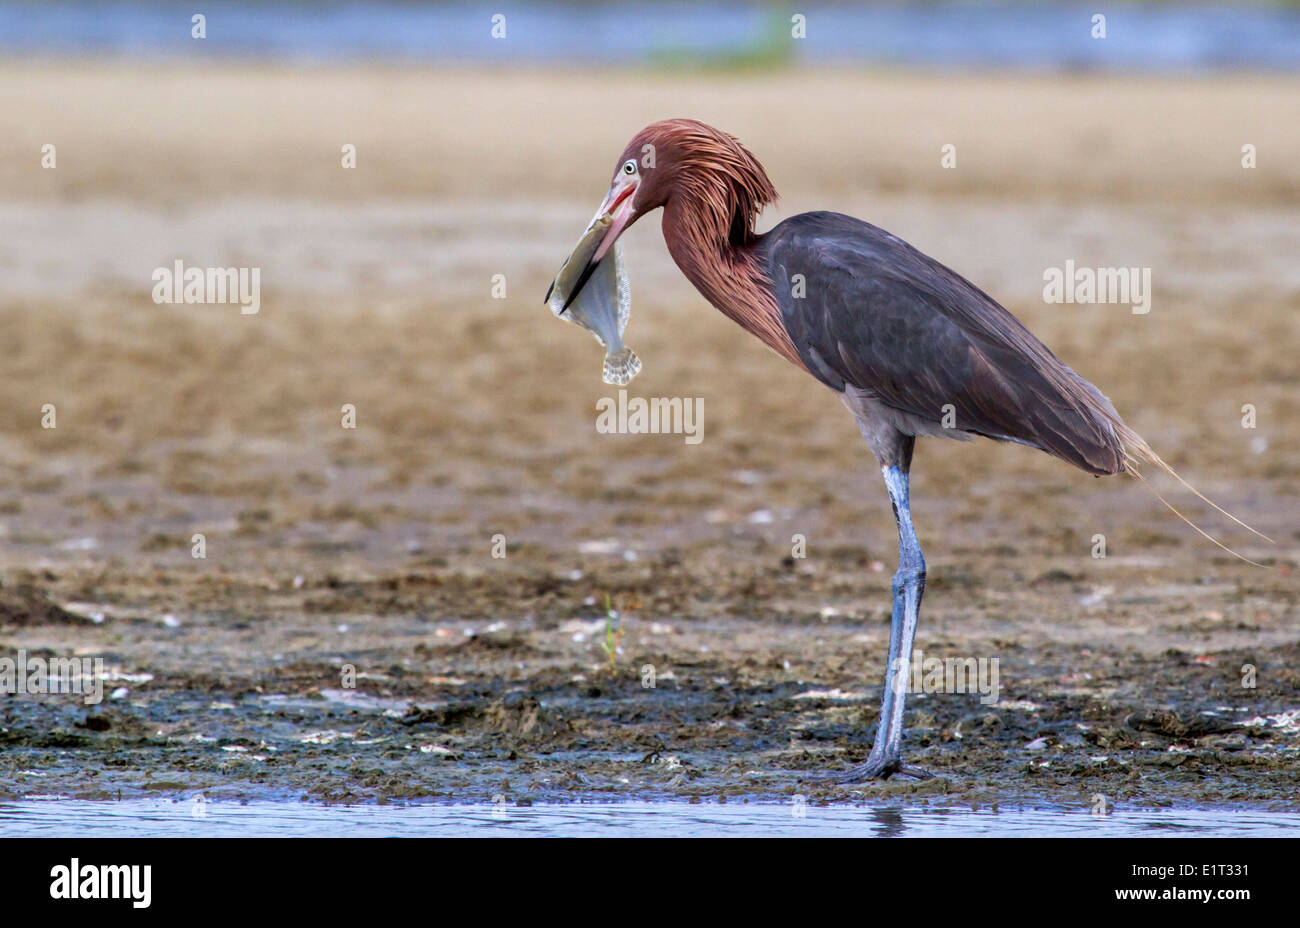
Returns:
<point x="1039" y="37"/>
<point x="164" y="134"/>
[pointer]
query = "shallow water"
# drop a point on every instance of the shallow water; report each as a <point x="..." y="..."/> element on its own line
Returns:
<point x="166" y="818"/>
<point x="951" y="35"/>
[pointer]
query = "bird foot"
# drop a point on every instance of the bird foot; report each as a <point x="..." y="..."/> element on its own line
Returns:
<point x="881" y="769"/>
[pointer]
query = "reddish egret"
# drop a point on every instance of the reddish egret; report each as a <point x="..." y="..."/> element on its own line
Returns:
<point x="910" y="347"/>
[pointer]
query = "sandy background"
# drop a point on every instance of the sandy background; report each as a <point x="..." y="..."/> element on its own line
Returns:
<point x="476" y="416"/>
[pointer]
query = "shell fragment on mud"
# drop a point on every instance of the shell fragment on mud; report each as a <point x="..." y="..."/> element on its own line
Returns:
<point x="603" y="305"/>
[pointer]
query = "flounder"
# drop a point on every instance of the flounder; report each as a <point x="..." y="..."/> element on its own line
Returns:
<point x="604" y="303"/>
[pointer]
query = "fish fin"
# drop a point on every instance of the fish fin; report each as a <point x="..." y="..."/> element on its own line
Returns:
<point x="621" y="367"/>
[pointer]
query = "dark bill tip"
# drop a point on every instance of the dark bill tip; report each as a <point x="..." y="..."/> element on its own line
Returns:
<point x="582" y="282"/>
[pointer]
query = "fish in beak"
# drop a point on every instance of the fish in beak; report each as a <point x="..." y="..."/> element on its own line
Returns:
<point x="592" y="289"/>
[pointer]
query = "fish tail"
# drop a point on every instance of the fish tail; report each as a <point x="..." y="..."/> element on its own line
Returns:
<point x="621" y="367"/>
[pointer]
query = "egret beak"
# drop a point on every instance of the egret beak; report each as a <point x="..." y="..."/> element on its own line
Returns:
<point x="618" y="209"/>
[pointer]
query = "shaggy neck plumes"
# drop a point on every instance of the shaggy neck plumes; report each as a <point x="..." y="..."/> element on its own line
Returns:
<point x="709" y="228"/>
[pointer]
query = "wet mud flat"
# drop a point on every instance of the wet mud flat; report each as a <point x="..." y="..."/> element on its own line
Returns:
<point x="345" y="690"/>
<point x="351" y="637"/>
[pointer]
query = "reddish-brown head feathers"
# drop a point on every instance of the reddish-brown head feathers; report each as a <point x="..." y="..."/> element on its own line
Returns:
<point x="712" y="191"/>
<point x="691" y="163"/>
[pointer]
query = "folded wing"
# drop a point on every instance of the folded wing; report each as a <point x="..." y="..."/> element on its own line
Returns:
<point x="873" y="313"/>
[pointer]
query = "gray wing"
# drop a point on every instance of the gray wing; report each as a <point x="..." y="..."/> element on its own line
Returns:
<point x="878" y="315"/>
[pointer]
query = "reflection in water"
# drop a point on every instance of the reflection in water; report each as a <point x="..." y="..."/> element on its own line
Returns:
<point x="890" y="821"/>
<point x="201" y="818"/>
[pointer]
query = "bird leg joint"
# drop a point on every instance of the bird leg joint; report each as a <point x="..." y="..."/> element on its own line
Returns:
<point x="909" y="576"/>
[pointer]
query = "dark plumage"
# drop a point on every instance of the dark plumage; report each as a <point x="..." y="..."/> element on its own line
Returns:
<point x="878" y="315"/>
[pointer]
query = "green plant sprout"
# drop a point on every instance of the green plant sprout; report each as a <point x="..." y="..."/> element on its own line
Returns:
<point x="613" y="635"/>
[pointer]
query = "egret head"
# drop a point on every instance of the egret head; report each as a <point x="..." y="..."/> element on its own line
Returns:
<point x="715" y="177"/>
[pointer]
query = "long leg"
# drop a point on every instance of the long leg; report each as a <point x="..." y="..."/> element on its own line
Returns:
<point x="886" y="756"/>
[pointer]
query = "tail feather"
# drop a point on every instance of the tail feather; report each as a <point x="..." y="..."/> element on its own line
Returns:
<point x="1137" y="451"/>
<point x="1131" y="450"/>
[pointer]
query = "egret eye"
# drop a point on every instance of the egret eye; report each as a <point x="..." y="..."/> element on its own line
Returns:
<point x="629" y="167"/>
